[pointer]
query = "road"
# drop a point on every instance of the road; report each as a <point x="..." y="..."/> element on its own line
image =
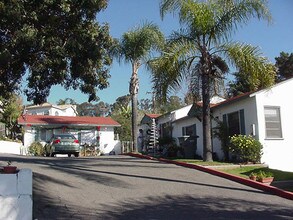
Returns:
<point x="122" y="187"/>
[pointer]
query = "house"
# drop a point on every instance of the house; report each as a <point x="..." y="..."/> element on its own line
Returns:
<point x="176" y="124"/>
<point x="265" y="114"/>
<point x="146" y="121"/>
<point x="50" y="109"/>
<point x="88" y="130"/>
<point x="145" y="130"/>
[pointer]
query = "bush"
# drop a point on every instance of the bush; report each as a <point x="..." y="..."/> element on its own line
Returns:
<point x="262" y="174"/>
<point x="36" y="149"/>
<point x="245" y="148"/>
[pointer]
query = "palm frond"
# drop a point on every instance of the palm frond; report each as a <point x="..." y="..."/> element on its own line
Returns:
<point x="170" y="69"/>
<point x="249" y="59"/>
<point x="167" y="6"/>
<point x="137" y="44"/>
<point x="229" y="15"/>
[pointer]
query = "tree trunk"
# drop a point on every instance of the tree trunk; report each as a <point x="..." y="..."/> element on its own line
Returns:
<point x="206" y="119"/>
<point x="133" y="90"/>
<point x="134" y="121"/>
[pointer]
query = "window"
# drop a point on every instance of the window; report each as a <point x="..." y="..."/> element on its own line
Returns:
<point x="273" y="122"/>
<point x="189" y="130"/>
<point x="40" y="135"/>
<point x="46" y="112"/>
<point x="166" y="129"/>
<point x="235" y="122"/>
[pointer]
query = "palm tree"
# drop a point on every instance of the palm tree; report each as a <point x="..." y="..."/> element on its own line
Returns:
<point x="202" y="47"/>
<point x="135" y="47"/>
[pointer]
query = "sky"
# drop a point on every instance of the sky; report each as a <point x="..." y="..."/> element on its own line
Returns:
<point x="123" y="15"/>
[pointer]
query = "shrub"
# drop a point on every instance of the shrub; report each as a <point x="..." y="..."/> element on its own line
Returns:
<point x="36" y="149"/>
<point x="245" y="148"/>
<point x="262" y="174"/>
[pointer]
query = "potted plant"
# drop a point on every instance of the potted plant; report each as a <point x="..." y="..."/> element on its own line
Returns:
<point x="265" y="177"/>
<point x="9" y="168"/>
<point x="252" y="176"/>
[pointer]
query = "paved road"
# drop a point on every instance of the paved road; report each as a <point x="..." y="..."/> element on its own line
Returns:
<point x="121" y="187"/>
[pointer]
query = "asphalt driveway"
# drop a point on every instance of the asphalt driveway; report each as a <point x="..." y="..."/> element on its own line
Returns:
<point x="122" y="187"/>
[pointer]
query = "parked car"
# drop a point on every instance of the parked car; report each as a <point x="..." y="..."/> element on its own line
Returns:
<point x="62" y="144"/>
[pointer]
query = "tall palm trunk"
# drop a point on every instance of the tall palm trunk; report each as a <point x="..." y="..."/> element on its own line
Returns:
<point x="133" y="90"/>
<point x="206" y="120"/>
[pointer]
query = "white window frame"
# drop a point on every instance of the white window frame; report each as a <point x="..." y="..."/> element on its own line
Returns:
<point x="278" y="122"/>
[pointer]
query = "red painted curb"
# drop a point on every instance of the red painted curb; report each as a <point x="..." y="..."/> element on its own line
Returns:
<point x="248" y="182"/>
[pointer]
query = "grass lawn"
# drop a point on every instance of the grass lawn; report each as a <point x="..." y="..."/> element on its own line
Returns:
<point x="278" y="174"/>
<point x="244" y="171"/>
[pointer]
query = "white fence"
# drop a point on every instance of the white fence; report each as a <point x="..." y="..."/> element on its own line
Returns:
<point x="126" y="147"/>
<point x="12" y="148"/>
<point x="16" y="199"/>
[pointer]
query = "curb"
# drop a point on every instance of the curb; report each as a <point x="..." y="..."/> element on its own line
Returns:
<point x="248" y="182"/>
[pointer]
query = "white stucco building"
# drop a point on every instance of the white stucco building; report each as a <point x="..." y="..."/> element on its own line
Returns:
<point x="264" y="114"/>
<point x="267" y="116"/>
<point x="50" y="109"/>
<point x="88" y="130"/>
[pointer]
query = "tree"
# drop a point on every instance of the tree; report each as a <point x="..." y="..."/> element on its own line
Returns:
<point x="202" y="47"/>
<point x="135" y="47"/>
<point x="172" y="103"/>
<point x="54" y="42"/>
<point x="146" y="105"/>
<point x="11" y="109"/>
<point x="284" y="64"/>
<point x="101" y="109"/>
<point x="66" y="101"/>
<point x="122" y="101"/>
<point x="121" y="112"/>
<point x="243" y="82"/>
<point x="240" y="85"/>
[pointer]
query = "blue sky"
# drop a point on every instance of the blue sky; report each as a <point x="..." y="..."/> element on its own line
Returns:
<point x="122" y="15"/>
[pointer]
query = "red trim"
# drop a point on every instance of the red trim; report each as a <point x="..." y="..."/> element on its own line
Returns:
<point x="66" y="120"/>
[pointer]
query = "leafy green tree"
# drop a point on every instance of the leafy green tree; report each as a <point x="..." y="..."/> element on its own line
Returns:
<point x="11" y="109"/>
<point x="240" y="85"/>
<point x="54" y="42"/>
<point x="202" y="47"/>
<point x="122" y="101"/>
<point x="101" y="109"/>
<point x="66" y="101"/>
<point x="146" y="105"/>
<point x="284" y="64"/>
<point x="172" y="103"/>
<point x="243" y="82"/>
<point x="135" y="47"/>
<point x="121" y="112"/>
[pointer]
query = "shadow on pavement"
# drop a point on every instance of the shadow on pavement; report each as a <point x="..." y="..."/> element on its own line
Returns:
<point x="187" y="207"/>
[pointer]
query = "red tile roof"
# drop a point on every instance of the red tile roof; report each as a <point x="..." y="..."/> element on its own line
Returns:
<point x="200" y="104"/>
<point x="153" y="115"/>
<point x="66" y="120"/>
<point x="235" y="98"/>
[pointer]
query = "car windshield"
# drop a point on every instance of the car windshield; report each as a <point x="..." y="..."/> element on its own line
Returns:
<point x="63" y="136"/>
